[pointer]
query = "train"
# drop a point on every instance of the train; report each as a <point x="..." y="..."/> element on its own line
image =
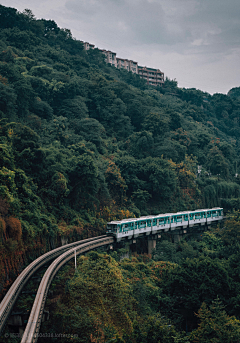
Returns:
<point x="134" y="227"/>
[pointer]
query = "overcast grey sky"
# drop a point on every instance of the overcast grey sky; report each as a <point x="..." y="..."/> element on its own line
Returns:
<point x="196" y="42"/>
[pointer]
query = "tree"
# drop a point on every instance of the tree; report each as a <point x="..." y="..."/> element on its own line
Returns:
<point x="91" y="130"/>
<point x="140" y="198"/>
<point x="156" y="122"/>
<point x="234" y="92"/>
<point x="193" y="282"/>
<point x="155" y="329"/>
<point x="74" y="108"/>
<point x="7" y="101"/>
<point x="215" y="325"/>
<point x="159" y="176"/>
<point x="42" y="109"/>
<point x="230" y="234"/>
<point x="140" y="144"/>
<point x="83" y="182"/>
<point x="216" y="162"/>
<point x="94" y="306"/>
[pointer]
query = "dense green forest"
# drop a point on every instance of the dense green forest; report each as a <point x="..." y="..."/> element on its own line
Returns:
<point x="83" y="143"/>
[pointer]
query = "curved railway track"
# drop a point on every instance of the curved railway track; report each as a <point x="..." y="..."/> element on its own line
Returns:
<point x="10" y="298"/>
<point x="34" y="322"/>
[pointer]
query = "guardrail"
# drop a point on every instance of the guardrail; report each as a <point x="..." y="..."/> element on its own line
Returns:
<point x="10" y="298"/>
<point x="34" y="322"/>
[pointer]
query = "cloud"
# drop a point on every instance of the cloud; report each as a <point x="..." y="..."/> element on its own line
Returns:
<point x="197" y="24"/>
<point x="132" y="21"/>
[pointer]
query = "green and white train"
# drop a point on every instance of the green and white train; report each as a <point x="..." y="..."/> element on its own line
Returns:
<point x="134" y="227"/>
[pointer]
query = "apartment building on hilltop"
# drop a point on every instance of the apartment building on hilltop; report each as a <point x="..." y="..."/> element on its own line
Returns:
<point x="129" y="65"/>
<point x="87" y="45"/>
<point x="111" y="57"/>
<point x="154" y="77"/>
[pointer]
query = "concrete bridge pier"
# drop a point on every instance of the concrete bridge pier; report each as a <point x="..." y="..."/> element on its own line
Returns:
<point x="176" y="238"/>
<point x="18" y="320"/>
<point x="177" y="235"/>
<point x="152" y="241"/>
<point x="133" y="246"/>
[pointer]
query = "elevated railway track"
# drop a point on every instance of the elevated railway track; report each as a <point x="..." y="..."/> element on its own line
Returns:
<point x="10" y="298"/>
<point x="33" y="326"/>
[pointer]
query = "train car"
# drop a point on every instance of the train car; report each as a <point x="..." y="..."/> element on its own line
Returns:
<point x="121" y="229"/>
<point x="135" y="227"/>
<point x="179" y="219"/>
<point x="161" y="222"/>
<point x="143" y="225"/>
<point x="198" y="217"/>
<point x="214" y="214"/>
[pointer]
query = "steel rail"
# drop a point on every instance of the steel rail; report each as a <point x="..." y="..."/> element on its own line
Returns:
<point x="31" y="332"/>
<point x="10" y="298"/>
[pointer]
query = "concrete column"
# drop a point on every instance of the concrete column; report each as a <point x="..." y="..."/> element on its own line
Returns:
<point x="176" y="238"/>
<point x="151" y="245"/>
<point x="15" y="320"/>
<point x="133" y="246"/>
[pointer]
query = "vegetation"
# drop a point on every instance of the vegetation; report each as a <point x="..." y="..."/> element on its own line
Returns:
<point x="83" y="143"/>
<point x="188" y="292"/>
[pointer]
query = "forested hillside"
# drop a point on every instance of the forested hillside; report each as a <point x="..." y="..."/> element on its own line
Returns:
<point x="83" y="143"/>
<point x="187" y="293"/>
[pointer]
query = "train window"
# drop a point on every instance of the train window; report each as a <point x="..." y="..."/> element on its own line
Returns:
<point x="109" y="228"/>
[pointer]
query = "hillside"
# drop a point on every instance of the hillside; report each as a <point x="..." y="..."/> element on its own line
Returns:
<point x="83" y="143"/>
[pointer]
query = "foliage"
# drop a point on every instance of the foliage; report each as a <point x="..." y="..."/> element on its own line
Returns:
<point x="215" y="325"/>
<point x="82" y="143"/>
<point x="106" y="300"/>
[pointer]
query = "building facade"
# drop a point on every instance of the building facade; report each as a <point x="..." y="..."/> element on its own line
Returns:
<point x="154" y="77"/>
<point x="127" y="64"/>
<point x="111" y="57"/>
<point x="88" y="46"/>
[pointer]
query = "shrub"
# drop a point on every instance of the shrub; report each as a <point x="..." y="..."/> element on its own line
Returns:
<point x="14" y="228"/>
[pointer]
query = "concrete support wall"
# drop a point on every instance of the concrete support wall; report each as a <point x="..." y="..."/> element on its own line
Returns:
<point x="176" y="238"/>
<point x="151" y="244"/>
<point x="133" y="246"/>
